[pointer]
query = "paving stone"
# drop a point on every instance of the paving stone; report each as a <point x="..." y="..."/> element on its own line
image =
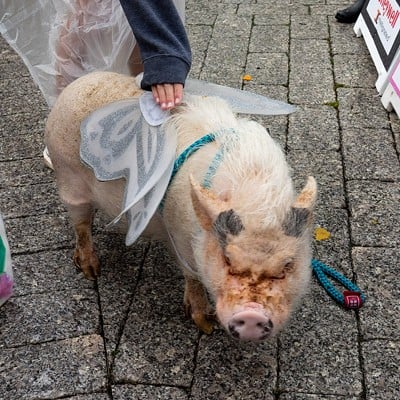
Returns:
<point x="22" y="123"/>
<point x="326" y="167"/>
<point x="227" y="369"/>
<point x="43" y="232"/>
<point x="395" y="127"/>
<point x="319" y="349"/>
<point x="32" y="199"/>
<point x="310" y="82"/>
<point x="199" y="37"/>
<point x="53" y="370"/>
<point x="370" y="154"/>
<point x="25" y="172"/>
<point x="319" y="396"/>
<point x="309" y="27"/>
<point x="272" y="91"/>
<point x="30" y="320"/>
<point x="96" y="396"/>
<point x="5" y="50"/>
<point x="47" y="271"/>
<point x="329" y="9"/>
<point x="377" y="273"/>
<point x="314" y="128"/>
<point x="276" y="15"/>
<point x="356" y="110"/>
<point x="204" y="12"/>
<point x="361" y="74"/>
<point x="12" y="68"/>
<point x="382" y="369"/>
<point x="29" y="145"/>
<point x="229" y="44"/>
<point x="335" y="250"/>
<point x="267" y="68"/>
<point x="128" y="392"/>
<point x="120" y="269"/>
<point x="272" y="14"/>
<point x="157" y="345"/>
<point x="343" y="39"/>
<point x="201" y="16"/>
<point x="277" y="39"/>
<point x="276" y="126"/>
<point x="374" y="213"/>
<point x="21" y="97"/>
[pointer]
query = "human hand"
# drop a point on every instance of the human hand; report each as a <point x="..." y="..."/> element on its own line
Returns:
<point x="167" y="95"/>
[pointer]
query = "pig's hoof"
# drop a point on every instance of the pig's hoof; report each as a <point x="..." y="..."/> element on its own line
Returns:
<point x="88" y="264"/>
<point x="202" y="320"/>
<point x="203" y="323"/>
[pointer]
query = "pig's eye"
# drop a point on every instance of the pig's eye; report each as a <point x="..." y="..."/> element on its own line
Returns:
<point x="227" y="261"/>
<point x="288" y="265"/>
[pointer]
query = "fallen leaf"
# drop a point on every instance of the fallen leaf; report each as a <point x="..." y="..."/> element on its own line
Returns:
<point x="247" y="77"/>
<point x="321" y="234"/>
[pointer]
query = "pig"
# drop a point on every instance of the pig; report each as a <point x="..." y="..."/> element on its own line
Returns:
<point x="243" y="240"/>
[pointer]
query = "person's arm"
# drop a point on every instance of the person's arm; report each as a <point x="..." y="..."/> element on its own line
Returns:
<point x="163" y="43"/>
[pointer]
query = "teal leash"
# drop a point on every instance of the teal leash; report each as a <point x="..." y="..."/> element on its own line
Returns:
<point x="351" y="298"/>
<point x="197" y="145"/>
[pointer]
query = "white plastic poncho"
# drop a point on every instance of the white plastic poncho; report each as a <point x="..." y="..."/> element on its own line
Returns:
<point x="61" y="40"/>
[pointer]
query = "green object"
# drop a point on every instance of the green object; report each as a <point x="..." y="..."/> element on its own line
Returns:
<point x="2" y="256"/>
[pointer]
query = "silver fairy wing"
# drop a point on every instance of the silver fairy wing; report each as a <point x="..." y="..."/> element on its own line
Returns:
<point x="117" y="142"/>
<point x="241" y="101"/>
<point x="125" y="139"/>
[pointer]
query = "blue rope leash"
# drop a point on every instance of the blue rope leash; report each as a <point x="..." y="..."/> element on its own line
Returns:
<point x="351" y="298"/>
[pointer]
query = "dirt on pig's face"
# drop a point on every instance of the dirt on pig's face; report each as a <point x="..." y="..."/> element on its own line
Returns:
<point x="255" y="273"/>
<point x="255" y="279"/>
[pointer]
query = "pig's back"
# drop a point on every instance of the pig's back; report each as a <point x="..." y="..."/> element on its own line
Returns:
<point x="76" y="182"/>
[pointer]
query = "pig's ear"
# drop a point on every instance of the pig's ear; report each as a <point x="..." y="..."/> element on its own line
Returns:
<point x="308" y="196"/>
<point x="206" y="204"/>
<point x="300" y="215"/>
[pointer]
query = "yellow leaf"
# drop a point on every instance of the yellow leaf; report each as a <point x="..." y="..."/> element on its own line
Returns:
<point x="321" y="234"/>
<point x="247" y="77"/>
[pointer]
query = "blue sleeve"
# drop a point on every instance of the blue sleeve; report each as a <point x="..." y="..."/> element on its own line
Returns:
<point x="162" y="39"/>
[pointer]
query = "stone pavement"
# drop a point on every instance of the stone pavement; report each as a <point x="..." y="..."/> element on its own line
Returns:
<point x="126" y="336"/>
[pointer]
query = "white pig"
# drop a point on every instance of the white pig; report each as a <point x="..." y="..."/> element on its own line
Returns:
<point x="243" y="239"/>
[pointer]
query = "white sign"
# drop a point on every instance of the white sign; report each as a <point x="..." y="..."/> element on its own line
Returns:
<point x="395" y="79"/>
<point x="386" y="17"/>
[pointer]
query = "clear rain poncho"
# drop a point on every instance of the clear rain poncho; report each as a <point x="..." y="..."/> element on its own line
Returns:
<point x="61" y="40"/>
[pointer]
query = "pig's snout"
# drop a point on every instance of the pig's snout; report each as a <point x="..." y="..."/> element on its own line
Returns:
<point x="250" y="325"/>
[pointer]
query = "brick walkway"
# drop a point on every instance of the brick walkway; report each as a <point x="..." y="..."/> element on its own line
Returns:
<point x="126" y="337"/>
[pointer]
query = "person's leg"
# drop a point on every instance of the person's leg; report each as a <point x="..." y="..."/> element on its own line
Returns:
<point x="351" y="13"/>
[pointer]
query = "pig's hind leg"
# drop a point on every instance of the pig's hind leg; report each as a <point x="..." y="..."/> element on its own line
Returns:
<point x="85" y="257"/>
<point x="197" y="306"/>
<point x="81" y="212"/>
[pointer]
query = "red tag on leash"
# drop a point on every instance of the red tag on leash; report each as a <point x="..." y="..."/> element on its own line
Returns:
<point x="352" y="299"/>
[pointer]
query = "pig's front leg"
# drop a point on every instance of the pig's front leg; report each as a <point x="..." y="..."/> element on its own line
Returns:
<point x="197" y="306"/>
<point x="85" y="257"/>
